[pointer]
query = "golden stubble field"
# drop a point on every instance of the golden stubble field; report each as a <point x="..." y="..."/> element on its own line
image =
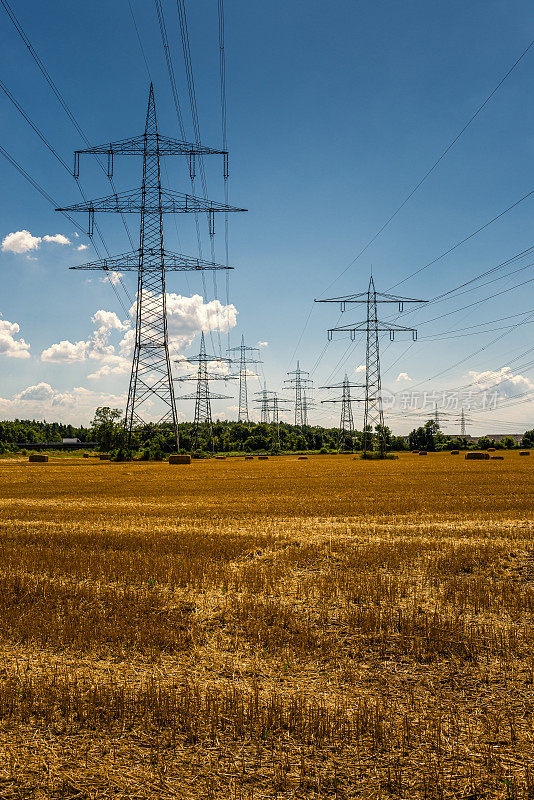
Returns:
<point x="267" y="629"/>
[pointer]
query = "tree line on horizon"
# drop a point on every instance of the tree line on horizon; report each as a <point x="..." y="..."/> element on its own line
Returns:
<point x="155" y="441"/>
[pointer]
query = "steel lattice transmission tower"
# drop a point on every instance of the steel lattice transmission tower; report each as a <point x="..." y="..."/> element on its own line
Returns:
<point x="270" y="410"/>
<point x="244" y="359"/>
<point x="346" y="424"/>
<point x="301" y="385"/>
<point x="151" y="375"/>
<point x="265" y="401"/>
<point x="463" y="421"/>
<point x="372" y="326"/>
<point x="203" y="396"/>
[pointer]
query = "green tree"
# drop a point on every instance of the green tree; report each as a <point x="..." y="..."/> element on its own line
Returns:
<point x="508" y="442"/>
<point x="106" y="428"/>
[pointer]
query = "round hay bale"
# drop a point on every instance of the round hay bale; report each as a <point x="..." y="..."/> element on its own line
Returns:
<point x="263" y="458"/>
<point x="303" y="458"/>
<point x="249" y="458"/>
<point x="524" y="452"/>
<point x="38" y="458"/>
<point x="477" y="456"/>
<point x="455" y="452"/>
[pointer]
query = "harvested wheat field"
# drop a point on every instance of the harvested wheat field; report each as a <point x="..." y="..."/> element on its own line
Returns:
<point x="267" y="629"/>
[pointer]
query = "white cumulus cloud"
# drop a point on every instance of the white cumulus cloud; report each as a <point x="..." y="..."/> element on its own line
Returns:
<point x="41" y="400"/>
<point x="502" y="381"/>
<point x="82" y="247"/>
<point x="65" y="352"/>
<point x="108" y="321"/>
<point x="112" y="277"/>
<point x="263" y="344"/>
<point x="360" y="368"/>
<point x="56" y="238"/>
<point x="403" y="377"/>
<point x="9" y="345"/>
<point x="23" y="241"/>
<point x="186" y="318"/>
<point x="20" y="242"/>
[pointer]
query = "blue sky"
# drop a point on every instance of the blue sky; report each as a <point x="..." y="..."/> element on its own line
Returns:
<point x="335" y="111"/>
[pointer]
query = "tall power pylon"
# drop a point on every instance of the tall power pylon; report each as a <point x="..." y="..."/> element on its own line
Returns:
<point x="373" y="421"/>
<point x="436" y="414"/>
<point x="151" y="374"/>
<point x="246" y="356"/>
<point x="203" y="396"/>
<point x="346" y="424"/>
<point x="301" y="385"/>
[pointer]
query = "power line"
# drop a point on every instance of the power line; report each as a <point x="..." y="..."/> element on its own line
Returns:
<point x="59" y="96"/>
<point x="186" y="49"/>
<point x="14" y="163"/>
<point x="222" y="76"/>
<point x="139" y="39"/>
<point x="466" y="239"/>
<point x="56" y="155"/>
<point x="434" y="165"/>
<point x="441" y="297"/>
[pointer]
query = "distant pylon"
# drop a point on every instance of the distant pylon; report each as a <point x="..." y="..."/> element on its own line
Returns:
<point x="244" y="359"/>
<point x="346" y="424"/>
<point x="270" y="405"/>
<point x="436" y="414"/>
<point x="275" y="416"/>
<point x="373" y="420"/>
<point x="264" y="399"/>
<point x="151" y="374"/>
<point x="301" y="385"/>
<point x="203" y="396"/>
<point x="462" y="424"/>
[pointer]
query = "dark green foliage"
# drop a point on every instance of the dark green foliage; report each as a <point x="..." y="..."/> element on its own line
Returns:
<point x="13" y="432"/>
<point x="107" y="428"/>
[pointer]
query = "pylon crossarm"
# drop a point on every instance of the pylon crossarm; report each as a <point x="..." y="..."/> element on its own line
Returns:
<point x="210" y="397"/>
<point x="204" y="358"/>
<point x="371" y="327"/>
<point x="378" y="325"/>
<point x="381" y="297"/>
<point x="133" y="202"/>
<point x="166" y="146"/>
<point x="345" y="400"/>
<point x="344" y="385"/>
<point x="129" y="262"/>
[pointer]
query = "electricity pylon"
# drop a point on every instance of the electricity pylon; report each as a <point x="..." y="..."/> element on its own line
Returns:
<point x="244" y="359"/>
<point x="373" y="420"/>
<point x="346" y="424"/>
<point x="270" y="405"/>
<point x="463" y="422"/>
<point x="203" y="396"/>
<point x="151" y="374"/>
<point x="301" y="385"/>
<point x="436" y="414"/>
<point x="265" y="400"/>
